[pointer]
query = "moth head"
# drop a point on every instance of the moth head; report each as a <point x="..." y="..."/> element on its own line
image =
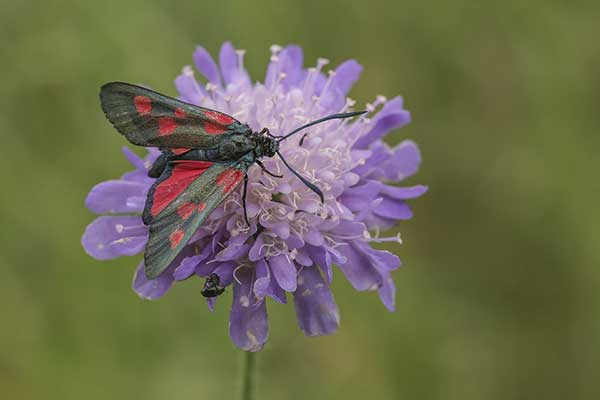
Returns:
<point x="267" y="145"/>
<point x="272" y="147"/>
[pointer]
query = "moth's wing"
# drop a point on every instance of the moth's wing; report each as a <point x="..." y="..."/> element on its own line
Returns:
<point x="147" y="118"/>
<point x="179" y="202"/>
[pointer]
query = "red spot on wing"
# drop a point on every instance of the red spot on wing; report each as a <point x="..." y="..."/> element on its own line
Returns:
<point x="179" y="151"/>
<point x="213" y="129"/>
<point x="143" y="104"/>
<point x="166" y="126"/>
<point x="182" y="175"/>
<point x="175" y="237"/>
<point x="201" y="207"/>
<point x="185" y="210"/>
<point x="216" y="122"/>
<point x="219" y="117"/>
<point x="179" y="113"/>
<point x="229" y="179"/>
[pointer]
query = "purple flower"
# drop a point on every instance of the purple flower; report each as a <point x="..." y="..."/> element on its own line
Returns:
<point x="293" y="240"/>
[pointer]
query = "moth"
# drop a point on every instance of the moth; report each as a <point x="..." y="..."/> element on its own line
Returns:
<point x="205" y="155"/>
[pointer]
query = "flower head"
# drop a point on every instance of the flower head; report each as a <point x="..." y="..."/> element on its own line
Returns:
<point x="293" y="240"/>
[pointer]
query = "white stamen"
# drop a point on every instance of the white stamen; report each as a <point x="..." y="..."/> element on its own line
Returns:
<point x="240" y="54"/>
<point x="187" y="71"/>
<point x="275" y="49"/>
<point x="235" y="273"/>
<point x="396" y="239"/>
<point x="328" y="83"/>
<point x="321" y="62"/>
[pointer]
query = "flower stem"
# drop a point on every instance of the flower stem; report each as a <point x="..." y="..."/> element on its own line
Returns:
<point x="248" y="364"/>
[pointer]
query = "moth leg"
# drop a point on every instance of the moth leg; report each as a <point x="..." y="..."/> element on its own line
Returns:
<point x="244" y="199"/>
<point x="262" y="166"/>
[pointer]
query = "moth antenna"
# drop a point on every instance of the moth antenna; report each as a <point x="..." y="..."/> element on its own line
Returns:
<point x="308" y="184"/>
<point x="318" y="121"/>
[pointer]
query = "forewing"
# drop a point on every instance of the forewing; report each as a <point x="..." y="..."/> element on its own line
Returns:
<point x="147" y="118"/>
<point x="179" y="203"/>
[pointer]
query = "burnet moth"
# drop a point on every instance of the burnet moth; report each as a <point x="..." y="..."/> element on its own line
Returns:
<point x="205" y="156"/>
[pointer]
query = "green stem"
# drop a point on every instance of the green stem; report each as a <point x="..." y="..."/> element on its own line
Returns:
<point x="248" y="364"/>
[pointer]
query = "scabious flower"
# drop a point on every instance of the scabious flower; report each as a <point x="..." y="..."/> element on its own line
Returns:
<point x="293" y="240"/>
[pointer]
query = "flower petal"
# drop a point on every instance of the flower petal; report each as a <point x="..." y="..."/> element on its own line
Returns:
<point x="346" y="75"/>
<point x="188" y="88"/>
<point x="382" y="260"/>
<point x="393" y="209"/>
<point x="110" y="237"/>
<point x="323" y="259"/>
<point x="257" y="251"/>
<point x="227" y="62"/>
<point x="117" y="196"/>
<point x="405" y="161"/>
<point x="265" y="285"/>
<point x="232" y="252"/>
<point x="316" y="310"/>
<point x="292" y="63"/>
<point x="382" y="127"/>
<point x="348" y="229"/>
<point x="152" y="289"/>
<point x="358" y="269"/>
<point x="225" y="271"/>
<point x="248" y="325"/>
<point x="403" y="193"/>
<point x="387" y="292"/>
<point x="357" y="198"/>
<point x="187" y="267"/>
<point x="206" y="65"/>
<point x="303" y="259"/>
<point x="133" y="158"/>
<point x="141" y="165"/>
<point x="313" y="236"/>
<point x="373" y="163"/>
<point x="284" y="272"/>
<point x="231" y="71"/>
<point x="289" y="62"/>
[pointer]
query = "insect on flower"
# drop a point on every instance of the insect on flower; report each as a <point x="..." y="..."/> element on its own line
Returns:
<point x="212" y="286"/>
<point x="205" y="155"/>
<point x="295" y="244"/>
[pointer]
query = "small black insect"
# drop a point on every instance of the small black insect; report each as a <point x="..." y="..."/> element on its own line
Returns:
<point x="212" y="286"/>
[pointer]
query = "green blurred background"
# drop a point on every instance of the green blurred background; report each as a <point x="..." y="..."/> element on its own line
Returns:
<point x="499" y="295"/>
